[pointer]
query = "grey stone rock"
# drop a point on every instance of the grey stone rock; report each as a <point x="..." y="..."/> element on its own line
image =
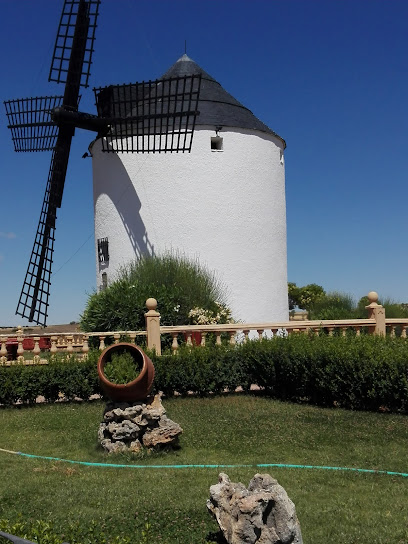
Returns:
<point x="166" y="433"/>
<point x="114" y="447"/>
<point x="132" y="411"/>
<point x="124" y="430"/>
<point x="261" y="514"/>
<point x="102" y="432"/>
<point x="126" y="427"/>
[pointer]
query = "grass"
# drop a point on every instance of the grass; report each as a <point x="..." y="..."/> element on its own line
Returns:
<point x="335" y="507"/>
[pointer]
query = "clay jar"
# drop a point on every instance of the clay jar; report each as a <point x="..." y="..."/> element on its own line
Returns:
<point x="139" y="388"/>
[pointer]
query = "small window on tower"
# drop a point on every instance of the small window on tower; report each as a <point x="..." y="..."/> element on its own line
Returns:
<point x="103" y="250"/>
<point x="216" y="143"/>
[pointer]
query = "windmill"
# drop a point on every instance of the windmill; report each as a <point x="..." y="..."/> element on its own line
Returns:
<point x="147" y="117"/>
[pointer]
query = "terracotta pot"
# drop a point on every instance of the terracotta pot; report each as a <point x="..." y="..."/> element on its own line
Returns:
<point x="139" y="388"/>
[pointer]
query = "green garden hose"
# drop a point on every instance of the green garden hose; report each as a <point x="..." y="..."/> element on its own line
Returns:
<point x="258" y="465"/>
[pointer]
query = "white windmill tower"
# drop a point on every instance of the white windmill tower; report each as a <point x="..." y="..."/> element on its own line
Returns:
<point x="224" y="202"/>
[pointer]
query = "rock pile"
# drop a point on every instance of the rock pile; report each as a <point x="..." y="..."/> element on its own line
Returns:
<point x="130" y="426"/>
<point x="261" y="514"/>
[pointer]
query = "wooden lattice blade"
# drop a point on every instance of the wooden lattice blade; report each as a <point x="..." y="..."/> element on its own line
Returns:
<point x="64" y="40"/>
<point x="32" y="128"/>
<point x="150" y="117"/>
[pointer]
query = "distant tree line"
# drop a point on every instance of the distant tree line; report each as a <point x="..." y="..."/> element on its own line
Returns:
<point x="337" y="305"/>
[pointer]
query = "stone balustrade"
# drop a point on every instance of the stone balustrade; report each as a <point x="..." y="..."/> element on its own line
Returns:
<point x="29" y="349"/>
<point x="376" y="323"/>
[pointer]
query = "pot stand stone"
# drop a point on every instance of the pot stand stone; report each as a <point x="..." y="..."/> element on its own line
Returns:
<point x="128" y="426"/>
<point x="261" y="514"/>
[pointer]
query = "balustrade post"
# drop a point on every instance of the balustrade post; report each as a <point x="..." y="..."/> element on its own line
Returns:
<point x="101" y="343"/>
<point x="174" y="345"/>
<point x="377" y="312"/>
<point x="116" y="337"/>
<point x="20" y="349"/>
<point x="153" y="326"/>
<point x="203" y="335"/>
<point x="70" y="347"/>
<point x="3" y="350"/>
<point x="85" y="346"/>
<point x="53" y="348"/>
<point x="36" y="350"/>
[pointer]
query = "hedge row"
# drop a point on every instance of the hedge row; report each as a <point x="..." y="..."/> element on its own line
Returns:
<point x="367" y="372"/>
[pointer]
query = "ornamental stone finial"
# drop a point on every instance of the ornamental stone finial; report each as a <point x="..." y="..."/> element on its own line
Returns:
<point x="151" y="303"/>
<point x="372" y="297"/>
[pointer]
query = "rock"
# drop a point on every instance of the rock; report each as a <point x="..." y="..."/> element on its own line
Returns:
<point x="166" y="433"/>
<point x="135" y="446"/>
<point x="124" y="430"/>
<point x="114" y="447"/>
<point x="128" y="426"/>
<point x="261" y="514"/>
<point x="102" y="431"/>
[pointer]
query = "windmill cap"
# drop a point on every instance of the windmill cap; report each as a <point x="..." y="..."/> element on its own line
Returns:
<point x="217" y="107"/>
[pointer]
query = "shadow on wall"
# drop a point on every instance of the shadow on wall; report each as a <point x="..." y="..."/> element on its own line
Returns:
<point x="128" y="205"/>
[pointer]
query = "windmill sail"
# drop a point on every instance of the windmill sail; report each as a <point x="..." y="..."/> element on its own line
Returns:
<point x="72" y="11"/>
<point x="33" y="302"/>
<point x="150" y="117"/>
<point x="71" y="65"/>
<point x="32" y="128"/>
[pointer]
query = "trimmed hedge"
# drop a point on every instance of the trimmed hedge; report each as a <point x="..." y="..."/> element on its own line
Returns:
<point x="364" y="373"/>
<point x="71" y="378"/>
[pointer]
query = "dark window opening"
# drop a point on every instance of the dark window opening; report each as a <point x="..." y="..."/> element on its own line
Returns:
<point x="216" y="143"/>
<point x="103" y="250"/>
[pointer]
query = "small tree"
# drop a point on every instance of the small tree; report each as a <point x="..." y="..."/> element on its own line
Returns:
<point x="304" y="297"/>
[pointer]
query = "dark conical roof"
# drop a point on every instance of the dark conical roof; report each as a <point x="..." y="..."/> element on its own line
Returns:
<point x="216" y="106"/>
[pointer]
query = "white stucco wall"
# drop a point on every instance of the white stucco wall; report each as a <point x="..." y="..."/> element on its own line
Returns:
<point x="226" y="207"/>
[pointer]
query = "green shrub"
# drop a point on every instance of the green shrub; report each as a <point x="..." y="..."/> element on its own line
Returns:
<point x="356" y="372"/>
<point x="64" y="374"/>
<point x="122" y="368"/>
<point x="334" y="305"/>
<point x="366" y="372"/>
<point x="178" y="283"/>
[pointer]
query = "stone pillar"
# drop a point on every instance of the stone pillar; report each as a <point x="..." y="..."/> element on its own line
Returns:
<point x="377" y="312"/>
<point x="153" y="325"/>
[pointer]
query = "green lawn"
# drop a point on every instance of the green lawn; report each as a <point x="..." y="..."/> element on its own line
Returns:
<point x="333" y="507"/>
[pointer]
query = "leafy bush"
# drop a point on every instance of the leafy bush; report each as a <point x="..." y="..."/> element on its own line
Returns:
<point x="178" y="283"/>
<point x="334" y="305"/>
<point x="64" y="374"/>
<point x="122" y="368"/>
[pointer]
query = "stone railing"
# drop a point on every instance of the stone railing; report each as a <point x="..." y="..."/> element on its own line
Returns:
<point x="376" y="323"/>
<point x="28" y="349"/>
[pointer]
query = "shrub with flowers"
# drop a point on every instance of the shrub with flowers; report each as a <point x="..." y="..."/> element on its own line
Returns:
<point x="220" y="314"/>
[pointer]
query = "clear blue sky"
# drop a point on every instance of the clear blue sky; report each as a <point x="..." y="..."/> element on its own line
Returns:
<point x="330" y="77"/>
